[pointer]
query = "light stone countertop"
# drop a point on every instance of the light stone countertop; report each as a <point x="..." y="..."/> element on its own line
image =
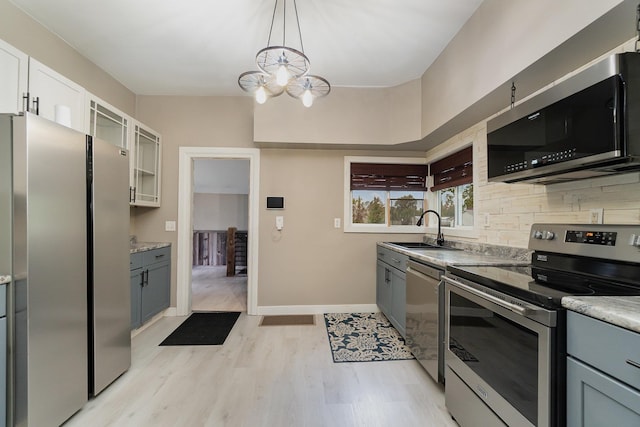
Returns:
<point x="4" y="279"/>
<point x="444" y="257"/>
<point x="620" y="311"/>
<point x="147" y="246"/>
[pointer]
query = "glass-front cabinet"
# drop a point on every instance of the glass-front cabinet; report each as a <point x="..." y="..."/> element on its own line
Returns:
<point x="145" y="166"/>
<point x="108" y="123"/>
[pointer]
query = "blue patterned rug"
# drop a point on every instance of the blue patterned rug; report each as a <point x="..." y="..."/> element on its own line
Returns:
<point x="364" y="337"/>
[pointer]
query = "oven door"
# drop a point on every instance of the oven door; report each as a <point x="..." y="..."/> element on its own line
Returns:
<point x="502" y="355"/>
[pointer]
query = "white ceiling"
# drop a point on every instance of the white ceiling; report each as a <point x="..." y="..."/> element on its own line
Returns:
<point x="199" y="47"/>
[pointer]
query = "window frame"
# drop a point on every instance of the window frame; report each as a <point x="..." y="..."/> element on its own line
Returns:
<point x="470" y="232"/>
<point x="349" y="227"/>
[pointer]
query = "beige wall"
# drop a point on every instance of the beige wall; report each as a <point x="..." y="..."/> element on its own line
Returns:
<point x="348" y="116"/>
<point x="310" y="261"/>
<point x="25" y="34"/>
<point x="189" y="122"/>
<point x="499" y="41"/>
<point x="220" y="211"/>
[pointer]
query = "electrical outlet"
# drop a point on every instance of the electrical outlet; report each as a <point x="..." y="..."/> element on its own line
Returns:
<point x="279" y="222"/>
<point x="336" y="222"/>
<point x="169" y="226"/>
<point x="596" y="216"/>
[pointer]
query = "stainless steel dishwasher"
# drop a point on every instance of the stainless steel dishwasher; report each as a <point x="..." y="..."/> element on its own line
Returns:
<point x="425" y="322"/>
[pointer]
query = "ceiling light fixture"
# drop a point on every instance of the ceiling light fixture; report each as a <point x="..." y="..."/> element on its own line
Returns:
<point x="283" y="68"/>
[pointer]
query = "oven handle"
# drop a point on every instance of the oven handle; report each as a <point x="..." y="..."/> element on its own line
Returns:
<point x="515" y="308"/>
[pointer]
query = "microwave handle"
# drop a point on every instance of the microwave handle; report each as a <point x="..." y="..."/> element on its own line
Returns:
<point x="504" y="304"/>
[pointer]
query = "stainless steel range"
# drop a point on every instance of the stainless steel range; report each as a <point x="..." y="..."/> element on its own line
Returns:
<point x="506" y="331"/>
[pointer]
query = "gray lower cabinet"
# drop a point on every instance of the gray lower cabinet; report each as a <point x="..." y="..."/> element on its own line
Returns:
<point x="150" y="284"/>
<point x="3" y="355"/>
<point x="391" y="286"/>
<point x="603" y="374"/>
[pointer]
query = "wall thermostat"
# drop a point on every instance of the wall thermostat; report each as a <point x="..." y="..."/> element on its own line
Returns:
<point x="275" y="202"/>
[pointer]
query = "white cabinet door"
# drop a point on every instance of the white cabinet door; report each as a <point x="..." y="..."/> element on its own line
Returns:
<point x="146" y="157"/>
<point x="14" y="67"/>
<point x="107" y="122"/>
<point x="57" y="98"/>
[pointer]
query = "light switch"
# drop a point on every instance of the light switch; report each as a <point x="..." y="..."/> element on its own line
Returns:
<point x="279" y="222"/>
<point x="336" y="222"/>
<point x="169" y="226"/>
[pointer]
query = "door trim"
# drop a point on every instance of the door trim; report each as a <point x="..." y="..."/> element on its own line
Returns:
<point x="185" y="220"/>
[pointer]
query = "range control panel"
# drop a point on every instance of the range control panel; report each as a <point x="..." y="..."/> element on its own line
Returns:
<point x="591" y="237"/>
<point x="614" y="242"/>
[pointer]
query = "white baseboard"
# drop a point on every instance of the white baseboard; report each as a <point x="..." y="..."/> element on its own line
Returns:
<point x="316" y="309"/>
<point x="171" y="311"/>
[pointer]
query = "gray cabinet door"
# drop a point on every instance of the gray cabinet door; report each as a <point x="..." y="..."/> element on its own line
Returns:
<point x="137" y="277"/>
<point x="595" y="399"/>
<point x="383" y="288"/>
<point x="155" y="292"/>
<point x="398" y="300"/>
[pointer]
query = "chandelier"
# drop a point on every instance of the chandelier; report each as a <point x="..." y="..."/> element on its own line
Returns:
<point x="283" y="68"/>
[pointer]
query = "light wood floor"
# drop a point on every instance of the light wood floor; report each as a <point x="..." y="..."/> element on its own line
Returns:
<point x="211" y="290"/>
<point x="262" y="376"/>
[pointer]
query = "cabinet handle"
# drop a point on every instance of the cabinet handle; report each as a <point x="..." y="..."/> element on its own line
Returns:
<point x="25" y="102"/>
<point x="142" y="279"/>
<point x="36" y="105"/>
<point x="134" y="194"/>
<point x="397" y="261"/>
<point x="633" y="363"/>
<point x="159" y="256"/>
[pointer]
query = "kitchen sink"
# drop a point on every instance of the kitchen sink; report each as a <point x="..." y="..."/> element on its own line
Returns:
<point x="418" y="245"/>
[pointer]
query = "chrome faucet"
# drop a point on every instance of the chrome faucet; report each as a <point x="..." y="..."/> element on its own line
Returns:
<point x="440" y="237"/>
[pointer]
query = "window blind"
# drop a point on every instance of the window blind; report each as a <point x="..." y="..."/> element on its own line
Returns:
<point x="453" y="170"/>
<point x="388" y="177"/>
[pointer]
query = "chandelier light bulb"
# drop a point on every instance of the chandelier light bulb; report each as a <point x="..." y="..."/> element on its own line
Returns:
<point x="282" y="75"/>
<point x="261" y="95"/>
<point x="307" y="98"/>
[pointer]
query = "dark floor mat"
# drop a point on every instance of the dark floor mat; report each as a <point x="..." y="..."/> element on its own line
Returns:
<point x="203" y="329"/>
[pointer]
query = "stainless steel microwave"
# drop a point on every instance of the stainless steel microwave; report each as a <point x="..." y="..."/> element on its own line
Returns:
<point x="586" y="126"/>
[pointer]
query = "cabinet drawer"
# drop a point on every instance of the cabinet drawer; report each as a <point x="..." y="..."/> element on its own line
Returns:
<point x="157" y="255"/>
<point x="606" y="347"/>
<point x="135" y="260"/>
<point x="393" y="258"/>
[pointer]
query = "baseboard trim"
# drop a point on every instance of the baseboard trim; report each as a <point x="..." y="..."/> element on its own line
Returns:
<point x="315" y="309"/>
<point x="171" y="311"/>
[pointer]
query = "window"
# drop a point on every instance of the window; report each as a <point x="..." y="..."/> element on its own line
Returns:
<point x="453" y="186"/>
<point x="384" y="197"/>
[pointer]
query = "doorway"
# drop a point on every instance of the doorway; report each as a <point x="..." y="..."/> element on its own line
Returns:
<point x="187" y="157"/>
<point x="220" y="223"/>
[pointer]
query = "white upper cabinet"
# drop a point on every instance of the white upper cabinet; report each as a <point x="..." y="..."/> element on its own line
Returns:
<point x="107" y="122"/>
<point x="145" y="155"/>
<point x="55" y="97"/>
<point x="14" y="71"/>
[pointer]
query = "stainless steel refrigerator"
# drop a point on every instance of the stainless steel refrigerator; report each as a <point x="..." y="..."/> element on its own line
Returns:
<point x="69" y="294"/>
